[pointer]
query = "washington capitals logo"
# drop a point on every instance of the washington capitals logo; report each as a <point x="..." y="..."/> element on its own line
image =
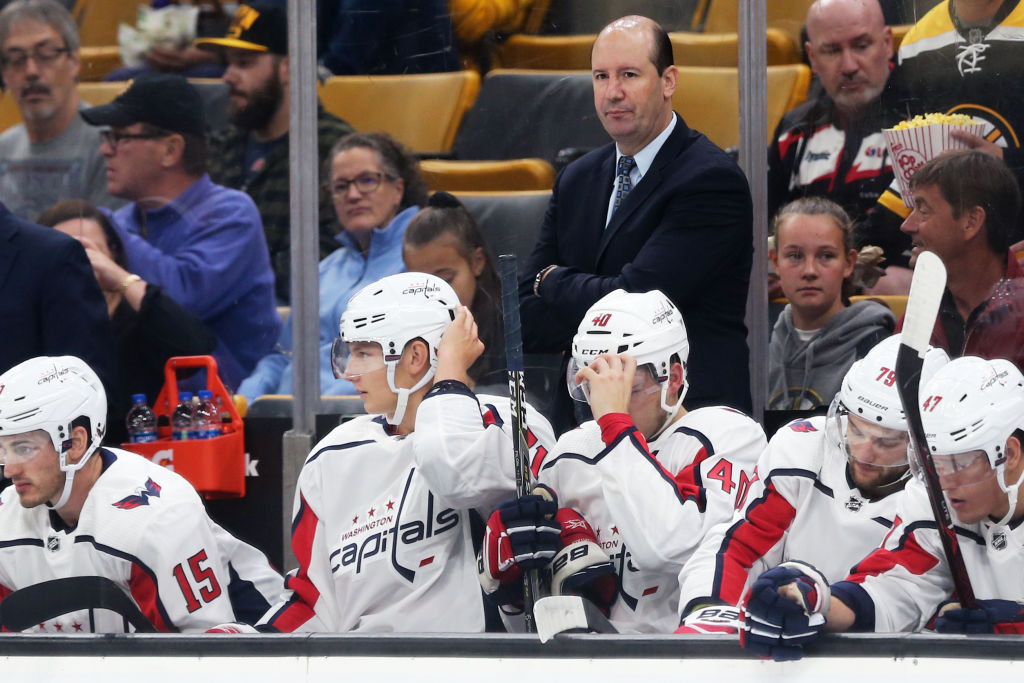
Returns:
<point x="141" y="498"/>
<point x="802" y="426"/>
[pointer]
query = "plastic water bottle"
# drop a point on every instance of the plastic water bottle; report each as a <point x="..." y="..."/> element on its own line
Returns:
<point x="205" y="417"/>
<point x="141" y="421"/>
<point x="181" y="418"/>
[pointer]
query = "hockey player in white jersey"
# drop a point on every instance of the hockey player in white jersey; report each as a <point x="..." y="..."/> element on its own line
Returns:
<point x="823" y="478"/>
<point x="383" y="507"/>
<point x="972" y="411"/>
<point x="649" y="476"/>
<point x="78" y="509"/>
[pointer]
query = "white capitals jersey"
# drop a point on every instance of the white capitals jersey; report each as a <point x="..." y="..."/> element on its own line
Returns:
<point x="381" y="524"/>
<point x="145" y="528"/>
<point x="803" y="506"/>
<point x="909" y="577"/>
<point x="650" y="506"/>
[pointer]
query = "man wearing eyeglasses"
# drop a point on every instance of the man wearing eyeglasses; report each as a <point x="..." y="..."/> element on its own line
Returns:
<point x="252" y="153"/>
<point x="202" y="243"/>
<point x="53" y="155"/>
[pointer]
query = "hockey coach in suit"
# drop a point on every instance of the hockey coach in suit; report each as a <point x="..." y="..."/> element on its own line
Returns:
<point x="660" y="208"/>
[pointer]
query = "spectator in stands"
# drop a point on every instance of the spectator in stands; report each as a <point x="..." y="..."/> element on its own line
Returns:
<point x="819" y="334"/>
<point x="53" y="155"/>
<point x="202" y="243"/>
<point x="444" y="240"/>
<point x="966" y="210"/>
<point x="396" y="37"/>
<point x="964" y="57"/>
<point x="252" y="153"/>
<point x="188" y="60"/>
<point x="832" y="145"/>
<point x="661" y="208"/>
<point x="149" y="326"/>
<point x="49" y="301"/>
<point x="377" y="189"/>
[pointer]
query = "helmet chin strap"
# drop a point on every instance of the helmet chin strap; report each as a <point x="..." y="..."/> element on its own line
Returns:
<point x="670" y="410"/>
<point x="69" y="479"/>
<point x="69" y="471"/>
<point x="403" y="394"/>
<point x="1011" y="493"/>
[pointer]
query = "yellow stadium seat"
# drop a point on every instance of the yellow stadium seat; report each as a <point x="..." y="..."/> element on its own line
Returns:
<point x="422" y="111"/>
<point x="98" y="19"/>
<point x="488" y="176"/>
<point x="897" y="303"/>
<point x="898" y="32"/>
<point x="787" y="15"/>
<point x="10" y="115"/>
<point x="97" y="61"/>
<point x="564" y="53"/>
<point x="708" y="98"/>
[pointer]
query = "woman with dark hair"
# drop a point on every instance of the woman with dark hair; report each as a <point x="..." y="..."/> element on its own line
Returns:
<point x="377" y="188"/>
<point x="149" y="326"/>
<point x="444" y="240"/>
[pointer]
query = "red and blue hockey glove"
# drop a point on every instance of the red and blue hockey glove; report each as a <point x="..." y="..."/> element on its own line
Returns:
<point x="785" y="609"/>
<point x="990" y="616"/>
<point x="711" y="620"/>
<point x="581" y="567"/>
<point x="521" y="534"/>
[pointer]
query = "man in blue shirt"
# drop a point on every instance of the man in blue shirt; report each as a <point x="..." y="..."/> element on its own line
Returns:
<point x="202" y="243"/>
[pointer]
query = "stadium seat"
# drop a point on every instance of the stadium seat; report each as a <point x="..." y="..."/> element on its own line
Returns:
<point x="708" y="98"/>
<point x="488" y="176"/>
<point x="509" y="221"/>
<point x="97" y="61"/>
<point x="98" y="19"/>
<point x="422" y="111"/>
<point x="898" y="32"/>
<point x="564" y="53"/>
<point x="525" y="113"/>
<point x="719" y="16"/>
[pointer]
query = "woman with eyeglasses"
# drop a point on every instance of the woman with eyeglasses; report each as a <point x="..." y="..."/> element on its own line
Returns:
<point x="377" y="188"/>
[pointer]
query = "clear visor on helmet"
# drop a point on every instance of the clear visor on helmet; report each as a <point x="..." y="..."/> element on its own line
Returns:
<point x="644" y="382"/>
<point x="962" y="469"/>
<point x="354" y="359"/>
<point x="17" y="449"/>
<point x="865" y="442"/>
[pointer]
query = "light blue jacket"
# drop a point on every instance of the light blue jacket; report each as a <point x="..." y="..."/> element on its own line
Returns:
<point x="343" y="273"/>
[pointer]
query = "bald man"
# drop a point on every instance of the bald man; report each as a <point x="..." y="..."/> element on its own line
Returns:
<point x="832" y="145"/>
<point x="660" y="207"/>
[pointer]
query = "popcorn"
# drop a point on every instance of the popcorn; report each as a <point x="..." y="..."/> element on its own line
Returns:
<point x="913" y="142"/>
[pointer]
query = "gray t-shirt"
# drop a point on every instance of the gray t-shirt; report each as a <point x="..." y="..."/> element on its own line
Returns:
<point x="34" y="176"/>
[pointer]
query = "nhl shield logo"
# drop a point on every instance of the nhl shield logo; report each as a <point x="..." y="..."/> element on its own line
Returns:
<point x="53" y="544"/>
<point x="854" y="504"/>
<point x="999" y="540"/>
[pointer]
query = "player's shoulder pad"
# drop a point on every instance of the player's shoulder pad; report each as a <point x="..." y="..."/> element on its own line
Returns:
<point x="724" y="422"/>
<point x="799" y="444"/>
<point x="583" y="440"/>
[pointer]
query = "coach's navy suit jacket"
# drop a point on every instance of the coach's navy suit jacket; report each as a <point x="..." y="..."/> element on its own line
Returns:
<point x="50" y="304"/>
<point x="686" y="229"/>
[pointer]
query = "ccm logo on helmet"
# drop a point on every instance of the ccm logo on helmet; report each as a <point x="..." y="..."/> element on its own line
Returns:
<point x="593" y="352"/>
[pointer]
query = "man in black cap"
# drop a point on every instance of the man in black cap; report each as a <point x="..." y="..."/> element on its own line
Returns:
<point x="202" y="243"/>
<point x="252" y="153"/>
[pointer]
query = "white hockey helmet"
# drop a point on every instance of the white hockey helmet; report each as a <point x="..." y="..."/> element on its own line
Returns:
<point x="869" y="392"/>
<point x="50" y="393"/>
<point x="974" y="405"/>
<point x="646" y="326"/>
<point x="392" y="312"/>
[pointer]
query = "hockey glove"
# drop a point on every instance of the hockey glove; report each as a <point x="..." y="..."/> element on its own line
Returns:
<point x="711" y="619"/>
<point x="784" y="609"/>
<point x="520" y="535"/>
<point x="581" y="567"/>
<point x="990" y="616"/>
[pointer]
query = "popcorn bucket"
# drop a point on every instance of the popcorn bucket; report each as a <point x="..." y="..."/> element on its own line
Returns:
<point x="911" y="146"/>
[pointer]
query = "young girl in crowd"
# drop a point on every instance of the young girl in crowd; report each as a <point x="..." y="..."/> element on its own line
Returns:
<point x="444" y="240"/>
<point x="819" y="334"/>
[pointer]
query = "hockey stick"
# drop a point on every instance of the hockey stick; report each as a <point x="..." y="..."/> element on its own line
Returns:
<point x="926" y="290"/>
<point x="517" y="395"/>
<point x="569" y="614"/>
<point x="32" y="605"/>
